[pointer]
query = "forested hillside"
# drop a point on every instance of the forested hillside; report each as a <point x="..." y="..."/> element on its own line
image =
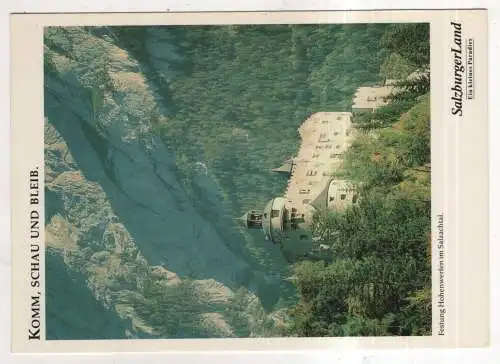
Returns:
<point x="177" y="129"/>
<point x="378" y="281"/>
<point x="239" y="93"/>
<point x="236" y="96"/>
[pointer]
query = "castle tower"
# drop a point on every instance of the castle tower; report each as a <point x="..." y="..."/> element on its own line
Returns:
<point x="283" y="224"/>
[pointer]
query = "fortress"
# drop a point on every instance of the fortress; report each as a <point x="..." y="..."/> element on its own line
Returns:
<point x="325" y="136"/>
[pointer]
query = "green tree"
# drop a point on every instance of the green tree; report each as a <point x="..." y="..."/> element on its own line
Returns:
<point x="410" y="41"/>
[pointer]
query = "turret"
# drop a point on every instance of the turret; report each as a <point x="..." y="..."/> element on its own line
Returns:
<point x="282" y="224"/>
<point x="252" y="219"/>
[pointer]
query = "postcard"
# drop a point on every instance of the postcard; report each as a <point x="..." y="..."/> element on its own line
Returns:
<point x="249" y="181"/>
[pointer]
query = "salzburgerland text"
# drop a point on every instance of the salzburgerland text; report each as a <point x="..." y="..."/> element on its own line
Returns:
<point x="457" y="90"/>
<point x="34" y="255"/>
<point x="441" y="302"/>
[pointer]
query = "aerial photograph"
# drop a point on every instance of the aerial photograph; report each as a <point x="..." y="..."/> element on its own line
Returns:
<point x="237" y="181"/>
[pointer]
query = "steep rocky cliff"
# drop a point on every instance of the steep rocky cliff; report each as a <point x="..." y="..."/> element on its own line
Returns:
<point x="122" y="226"/>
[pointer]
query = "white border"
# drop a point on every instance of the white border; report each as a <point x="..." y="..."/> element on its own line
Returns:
<point x="365" y="356"/>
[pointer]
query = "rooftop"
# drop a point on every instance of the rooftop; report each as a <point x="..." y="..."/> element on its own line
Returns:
<point x="372" y="97"/>
<point x="325" y="137"/>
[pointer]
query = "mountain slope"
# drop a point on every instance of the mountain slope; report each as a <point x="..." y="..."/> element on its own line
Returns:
<point x="116" y="211"/>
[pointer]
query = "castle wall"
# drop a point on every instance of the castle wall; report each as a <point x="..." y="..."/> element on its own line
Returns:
<point x="341" y="194"/>
<point x="368" y="99"/>
<point x="312" y="185"/>
<point x="325" y="137"/>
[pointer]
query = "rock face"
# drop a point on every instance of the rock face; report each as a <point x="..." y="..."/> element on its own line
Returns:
<point x="117" y="213"/>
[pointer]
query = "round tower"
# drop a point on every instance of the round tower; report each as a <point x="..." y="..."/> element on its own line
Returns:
<point x="283" y="224"/>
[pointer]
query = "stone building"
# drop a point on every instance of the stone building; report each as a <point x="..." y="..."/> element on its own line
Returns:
<point x="287" y="219"/>
<point x="368" y="99"/>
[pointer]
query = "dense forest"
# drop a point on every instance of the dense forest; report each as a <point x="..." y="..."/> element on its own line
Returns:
<point x="378" y="281"/>
<point x="238" y="94"/>
<point x="228" y="101"/>
<point x="235" y="96"/>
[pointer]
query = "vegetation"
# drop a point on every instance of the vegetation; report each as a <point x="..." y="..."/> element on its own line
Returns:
<point x="409" y="41"/>
<point x="164" y="308"/>
<point x="235" y="96"/>
<point x="378" y="281"/>
<point x="240" y="93"/>
<point x="125" y="294"/>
